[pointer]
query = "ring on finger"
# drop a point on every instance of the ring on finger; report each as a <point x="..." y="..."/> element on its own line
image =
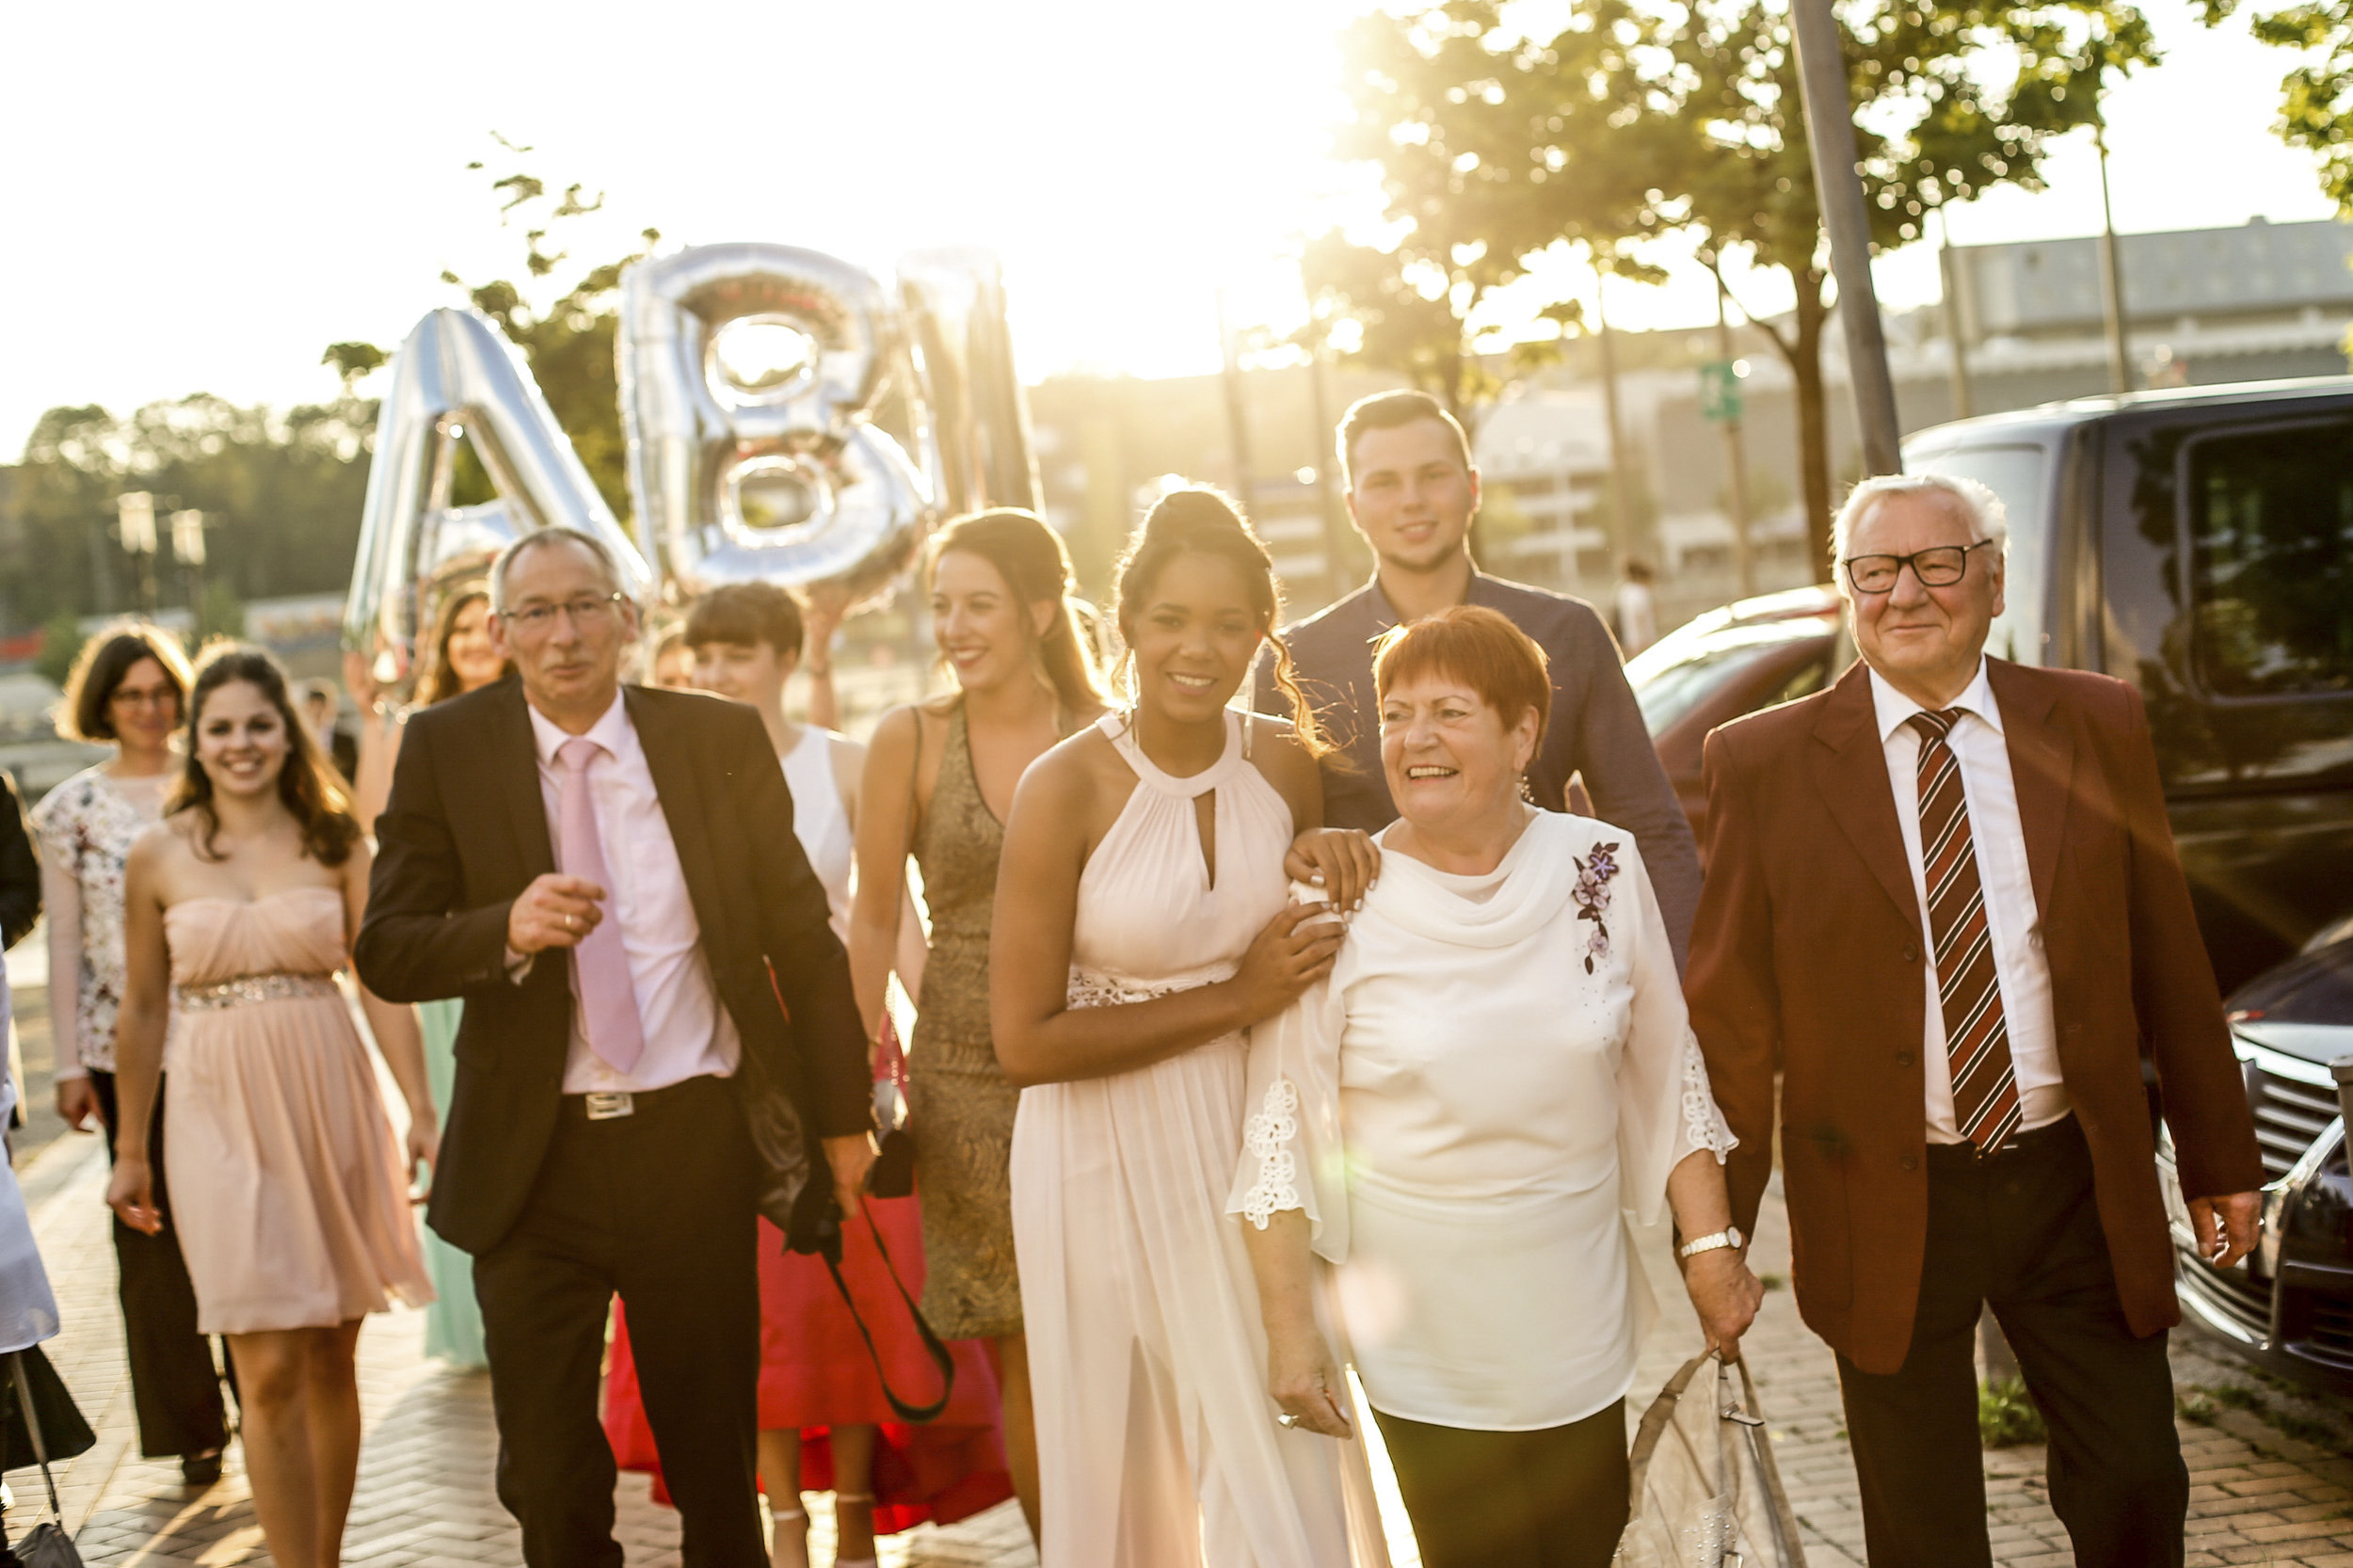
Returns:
<point x="1287" y="1419"/>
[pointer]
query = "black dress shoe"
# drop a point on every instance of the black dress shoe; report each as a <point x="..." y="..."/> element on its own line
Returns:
<point x="201" y="1470"/>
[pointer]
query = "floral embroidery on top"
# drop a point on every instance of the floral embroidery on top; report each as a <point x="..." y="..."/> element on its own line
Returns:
<point x="1269" y="1134"/>
<point x="1594" y="873"/>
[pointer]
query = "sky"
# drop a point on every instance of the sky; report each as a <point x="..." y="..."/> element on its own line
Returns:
<point x="203" y="196"/>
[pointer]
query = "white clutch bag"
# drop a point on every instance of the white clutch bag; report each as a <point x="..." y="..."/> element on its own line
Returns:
<point x="1707" y="1493"/>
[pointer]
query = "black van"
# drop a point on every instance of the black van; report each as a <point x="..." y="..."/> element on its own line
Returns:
<point x="2199" y="543"/>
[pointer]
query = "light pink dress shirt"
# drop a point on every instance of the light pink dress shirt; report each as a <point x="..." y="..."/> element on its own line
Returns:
<point x="688" y="1035"/>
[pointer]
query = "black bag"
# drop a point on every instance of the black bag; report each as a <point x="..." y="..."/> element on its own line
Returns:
<point x="38" y="1401"/>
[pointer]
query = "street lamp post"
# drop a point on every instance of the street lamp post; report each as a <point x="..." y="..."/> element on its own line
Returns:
<point x="1838" y="185"/>
<point x="135" y="514"/>
<point x="187" y="547"/>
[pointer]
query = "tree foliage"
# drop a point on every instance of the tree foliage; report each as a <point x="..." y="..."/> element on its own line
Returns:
<point x="1641" y="118"/>
<point x="2316" y="96"/>
<point x="569" y="343"/>
<point x="280" y="493"/>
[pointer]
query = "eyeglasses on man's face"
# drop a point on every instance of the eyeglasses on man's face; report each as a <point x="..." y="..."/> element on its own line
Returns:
<point x="1940" y="567"/>
<point x="144" y="696"/>
<point x="587" y="614"/>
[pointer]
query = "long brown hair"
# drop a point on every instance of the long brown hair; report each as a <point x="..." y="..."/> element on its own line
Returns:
<point x="1201" y="519"/>
<point x="1030" y="557"/>
<point x="307" y="785"/>
<point x="440" y="681"/>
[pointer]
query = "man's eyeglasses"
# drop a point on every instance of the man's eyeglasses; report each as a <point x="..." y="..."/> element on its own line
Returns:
<point x="162" y="697"/>
<point x="533" y="619"/>
<point x="1940" y="567"/>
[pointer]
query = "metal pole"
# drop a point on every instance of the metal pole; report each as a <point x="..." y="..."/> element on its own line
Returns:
<point x="2111" y="277"/>
<point x="1336" y="551"/>
<point x="1949" y="273"/>
<point x="1736" y="464"/>
<point x="1838" y="186"/>
<point x="1621" y="524"/>
<point x="1237" y="410"/>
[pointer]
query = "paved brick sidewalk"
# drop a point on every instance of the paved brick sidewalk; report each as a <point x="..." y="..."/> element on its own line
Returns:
<point x="2262" y="1495"/>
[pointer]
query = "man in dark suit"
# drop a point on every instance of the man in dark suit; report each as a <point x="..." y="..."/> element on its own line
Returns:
<point x="1942" y="902"/>
<point x="609" y="877"/>
<point x="1412" y="493"/>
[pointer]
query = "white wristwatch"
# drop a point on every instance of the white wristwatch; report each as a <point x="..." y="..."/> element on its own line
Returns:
<point x="1728" y="1237"/>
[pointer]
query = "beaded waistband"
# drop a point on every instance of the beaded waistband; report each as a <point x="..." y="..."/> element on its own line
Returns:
<point x="245" y="989"/>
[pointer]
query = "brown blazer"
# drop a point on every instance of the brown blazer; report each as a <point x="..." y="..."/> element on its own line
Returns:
<point x="1806" y="959"/>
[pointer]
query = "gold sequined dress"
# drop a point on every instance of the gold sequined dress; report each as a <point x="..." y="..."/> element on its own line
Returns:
<point x="960" y="1107"/>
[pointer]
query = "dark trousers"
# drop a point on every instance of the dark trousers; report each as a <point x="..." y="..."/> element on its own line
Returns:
<point x="2019" y="1231"/>
<point x="175" y="1386"/>
<point x="656" y="1206"/>
<point x="1553" y="1499"/>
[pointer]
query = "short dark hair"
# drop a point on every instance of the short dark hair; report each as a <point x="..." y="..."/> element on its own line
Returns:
<point x="86" y="715"/>
<point x="745" y="614"/>
<point x="1387" y="411"/>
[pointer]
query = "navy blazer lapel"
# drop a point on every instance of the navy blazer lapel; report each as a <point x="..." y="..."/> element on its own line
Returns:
<point x="1851" y="769"/>
<point x="676" y="787"/>
<point x="2042" y="769"/>
<point x="515" y="756"/>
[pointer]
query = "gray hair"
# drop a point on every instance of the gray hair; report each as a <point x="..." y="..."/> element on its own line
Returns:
<point x="1988" y="518"/>
<point x="537" y="538"/>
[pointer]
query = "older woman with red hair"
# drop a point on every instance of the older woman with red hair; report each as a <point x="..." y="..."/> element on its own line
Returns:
<point x="1495" y="1077"/>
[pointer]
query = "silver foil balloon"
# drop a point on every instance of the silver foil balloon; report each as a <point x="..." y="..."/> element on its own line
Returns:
<point x="976" y="433"/>
<point x="747" y="373"/>
<point x="458" y="377"/>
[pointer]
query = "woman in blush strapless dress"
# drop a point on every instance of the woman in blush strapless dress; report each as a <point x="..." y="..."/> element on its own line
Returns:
<point x="287" y="1181"/>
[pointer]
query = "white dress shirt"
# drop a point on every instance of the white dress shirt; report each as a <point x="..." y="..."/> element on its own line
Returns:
<point x="2013" y="920"/>
<point x="688" y="1035"/>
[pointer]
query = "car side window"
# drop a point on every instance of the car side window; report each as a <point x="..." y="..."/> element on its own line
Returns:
<point x="2269" y="519"/>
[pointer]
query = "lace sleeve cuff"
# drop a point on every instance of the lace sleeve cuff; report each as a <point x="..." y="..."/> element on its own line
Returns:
<point x="1703" y="1123"/>
<point x="1269" y="1135"/>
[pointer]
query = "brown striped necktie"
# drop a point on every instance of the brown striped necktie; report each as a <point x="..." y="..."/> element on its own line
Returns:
<point x="1977" y="1035"/>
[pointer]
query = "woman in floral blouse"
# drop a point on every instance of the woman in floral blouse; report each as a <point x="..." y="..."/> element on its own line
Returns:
<point x="126" y="688"/>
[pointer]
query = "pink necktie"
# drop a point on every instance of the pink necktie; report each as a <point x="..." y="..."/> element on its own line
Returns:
<point x="608" y="997"/>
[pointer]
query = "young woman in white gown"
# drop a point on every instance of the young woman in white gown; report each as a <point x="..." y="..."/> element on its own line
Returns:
<point x="1142" y="925"/>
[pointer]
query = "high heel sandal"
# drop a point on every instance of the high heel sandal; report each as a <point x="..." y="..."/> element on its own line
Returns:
<point x="852" y="1499"/>
<point x="781" y="1520"/>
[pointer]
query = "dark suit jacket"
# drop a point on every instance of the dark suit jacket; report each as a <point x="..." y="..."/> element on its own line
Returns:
<point x="466" y="830"/>
<point x="1806" y="959"/>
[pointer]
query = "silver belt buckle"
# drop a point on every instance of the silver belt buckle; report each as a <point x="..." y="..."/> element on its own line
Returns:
<point x="611" y="1105"/>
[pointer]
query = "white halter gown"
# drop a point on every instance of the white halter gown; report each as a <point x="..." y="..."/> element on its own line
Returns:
<point x="1157" y="1440"/>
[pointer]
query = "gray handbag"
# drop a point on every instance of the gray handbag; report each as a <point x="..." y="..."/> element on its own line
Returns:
<point x="1707" y="1493"/>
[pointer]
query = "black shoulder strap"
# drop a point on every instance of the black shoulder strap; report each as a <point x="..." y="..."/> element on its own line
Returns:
<point x="830" y="1248"/>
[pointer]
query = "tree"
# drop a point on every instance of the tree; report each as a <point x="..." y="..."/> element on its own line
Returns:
<point x="2316" y="96"/>
<point x="1633" y="121"/>
<point x="280" y="492"/>
<point x="570" y="343"/>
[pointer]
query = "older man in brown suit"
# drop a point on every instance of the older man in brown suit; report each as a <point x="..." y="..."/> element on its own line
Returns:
<point x="1943" y="904"/>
